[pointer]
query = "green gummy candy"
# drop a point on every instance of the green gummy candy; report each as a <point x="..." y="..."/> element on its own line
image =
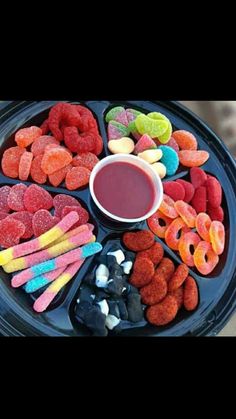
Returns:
<point x="164" y="138"/>
<point x="132" y="127"/>
<point x="154" y="128"/>
<point x="112" y="114"/>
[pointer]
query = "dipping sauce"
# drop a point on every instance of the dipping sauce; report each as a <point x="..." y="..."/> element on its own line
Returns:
<point x="124" y="190"/>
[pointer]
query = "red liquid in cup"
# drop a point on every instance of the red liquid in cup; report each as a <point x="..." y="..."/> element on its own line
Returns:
<point x="124" y="190"/>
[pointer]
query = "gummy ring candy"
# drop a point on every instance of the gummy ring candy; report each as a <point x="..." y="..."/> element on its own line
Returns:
<point x="155" y="223"/>
<point x="167" y="207"/>
<point x="203" y="223"/>
<point x="172" y="233"/>
<point x="186" y="212"/>
<point x="204" y="250"/>
<point x="217" y="237"/>
<point x="185" y="243"/>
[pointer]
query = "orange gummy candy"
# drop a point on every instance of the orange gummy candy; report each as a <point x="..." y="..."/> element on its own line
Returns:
<point x="26" y="136"/>
<point x="191" y="158"/>
<point x="55" y="159"/>
<point x="186" y="212"/>
<point x="25" y="165"/>
<point x="185" y="243"/>
<point x="185" y="140"/>
<point x="217" y="237"/>
<point x="167" y="207"/>
<point x="203" y="223"/>
<point x="158" y="224"/>
<point x="172" y="233"/>
<point x="77" y="177"/>
<point x="11" y="160"/>
<point x="57" y="177"/>
<point x="205" y="259"/>
<point x="36" y="172"/>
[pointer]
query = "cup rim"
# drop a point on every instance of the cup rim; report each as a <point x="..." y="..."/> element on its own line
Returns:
<point x="136" y="159"/>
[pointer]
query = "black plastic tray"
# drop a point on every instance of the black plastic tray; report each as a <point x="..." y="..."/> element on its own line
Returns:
<point x="217" y="291"/>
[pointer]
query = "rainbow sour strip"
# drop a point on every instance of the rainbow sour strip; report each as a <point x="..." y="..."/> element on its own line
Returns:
<point x="72" y="233"/>
<point x="52" y="252"/>
<point x="69" y="257"/>
<point x="50" y="293"/>
<point x="37" y="244"/>
<point x="40" y="281"/>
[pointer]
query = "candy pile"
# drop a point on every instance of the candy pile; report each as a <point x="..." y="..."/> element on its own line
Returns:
<point x="156" y="143"/>
<point x="163" y="288"/>
<point x="42" y="157"/>
<point x="106" y="298"/>
<point x="190" y="220"/>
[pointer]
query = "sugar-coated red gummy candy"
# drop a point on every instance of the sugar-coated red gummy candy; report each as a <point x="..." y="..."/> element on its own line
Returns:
<point x="36" y="198"/>
<point x="25" y="165"/>
<point x="216" y="214"/>
<point x="199" y="201"/>
<point x="175" y="190"/>
<point x="36" y="171"/>
<point x="198" y="177"/>
<point x="61" y="200"/>
<point x="10" y="232"/>
<point x="82" y="213"/>
<point x="43" y="221"/>
<point x="78" y="143"/>
<point x="15" y="198"/>
<point x="39" y="145"/>
<point x="140" y="240"/>
<point x="62" y="113"/>
<point x="98" y="144"/>
<point x="77" y="177"/>
<point x="11" y="160"/>
<point x="88" y="160"/>
<point x="87" y="119"/>
<point x="57" y="177"/>
<point x="189" y="190"/>
<point x="4" y="193"/>
<point x="3" y="215"/>
<point x="45" y="127"/>
<point x="55" y="159"/>
<point x="214" y="192"/>
<point x="26" y="136"/>
<point x="24" y="217"/>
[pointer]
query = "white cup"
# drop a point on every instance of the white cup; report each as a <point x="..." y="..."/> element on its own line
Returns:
<point x="127" y="158"/>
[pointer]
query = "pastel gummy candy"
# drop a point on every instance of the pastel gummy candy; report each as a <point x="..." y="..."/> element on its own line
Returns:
<point x="43" y="221"/>
<point x="192" y="158"/>
<point x="154" y="128"/>
<point x="131" y="116"/>
<point x="190" y="297"/>
<point x="175" y="190"/>
<point x="160" y="169"/>
<point x="36" y="198"/>
<point x="216" y="214"/>
<point x="154" y="292"/>
<point x="151" y="156"/>
<point x="198" y="177"/>
<point x="25" y="165"/>
<point x="166" y="268"/>
<point x="36" y="171"/>
<point x="170" y="159"/>
<point x="158" y="224"/>
<point x="172" y="233"/>
<point x="57" y="177"/>
<point x="15" y="199"/>
<point x="82" y="213"/>
<point x="55" y="159"/>
<point x="61" y="200"/>
<point x="217" y="237"/>
<point x="26" y="136"/>
<point x="72" y="233"/>
<point x="39" y="145"/>
<point x="199" y="201"/>
<point x="10" y="232"/>
<point x="48" y="296"/>
<point x="185" y="140"/>
<point x="58" y="262"/>
<point x="203" y="223"/>
<point x="25" y="217"/>
<point x="164" y="138"/>
<point x="4" y="194"/>
<point x="42" y="241"/>
<point x="77" y="177"/>
<point x="52" y="252"/>
<point x="88" y="160"/>
<point x="214" y="192"/>
<point x="186" y="212"/>
<point x="40" y="281"/>
<point x="178" y="277"/>
<point x="133" y="130"/>
<point x="189" y="190"/>
<point x="145" y="143"/>
<point x="124" y="146"/>
<point x="117" y="114"/>
<point x="204" y="250"/>
<point x="173" y="144"/>
<point x="185" y="243"/>
<point x="11" y="160"/>
<point x="116" y="130"/>
<point x="167" y="207"/>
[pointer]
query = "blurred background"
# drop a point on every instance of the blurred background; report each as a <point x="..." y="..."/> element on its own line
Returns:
<point x="220" y="116"/>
